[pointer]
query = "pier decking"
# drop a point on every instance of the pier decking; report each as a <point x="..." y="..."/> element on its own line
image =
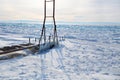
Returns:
<point x="9" y="49"/>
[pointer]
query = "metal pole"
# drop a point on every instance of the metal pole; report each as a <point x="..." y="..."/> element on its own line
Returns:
<point x="55" y="30"/>
<point x="44" y="21"/>
<point x="43" y="28"/>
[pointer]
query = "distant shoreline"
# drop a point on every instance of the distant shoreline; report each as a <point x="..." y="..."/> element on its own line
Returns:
<point x="60" y="22"/>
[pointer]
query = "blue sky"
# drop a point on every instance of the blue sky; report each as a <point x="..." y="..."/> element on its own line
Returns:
<point x="66" y="10"/>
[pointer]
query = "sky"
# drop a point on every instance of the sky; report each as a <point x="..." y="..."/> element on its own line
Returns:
<point x="66" y="10"/>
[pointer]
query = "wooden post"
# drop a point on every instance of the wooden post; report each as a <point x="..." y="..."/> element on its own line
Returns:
<point x="29" y="40"/>
<point x="35" y="39"/>
<point x="49" y="39"/>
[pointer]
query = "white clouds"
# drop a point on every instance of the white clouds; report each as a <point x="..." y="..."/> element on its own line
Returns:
<point x="66" y="10"/>
<point x="97" y="10"/>
<point x="20" y="9"/>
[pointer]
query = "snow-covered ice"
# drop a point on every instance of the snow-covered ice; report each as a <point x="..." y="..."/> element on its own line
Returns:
<point x="89" y="52"/>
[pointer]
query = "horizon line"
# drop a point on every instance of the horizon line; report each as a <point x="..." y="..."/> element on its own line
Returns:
<point x="67" y="22"/>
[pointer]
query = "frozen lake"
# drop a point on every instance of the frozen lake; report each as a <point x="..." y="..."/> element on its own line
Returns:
<point x="89" y="52"/>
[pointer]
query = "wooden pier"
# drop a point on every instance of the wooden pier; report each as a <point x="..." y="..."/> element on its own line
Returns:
<point x="9" y="49"/>
<point x="18" y="50"/>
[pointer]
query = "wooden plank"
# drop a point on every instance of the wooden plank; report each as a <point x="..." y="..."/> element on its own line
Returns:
<point x="10" y="49"/>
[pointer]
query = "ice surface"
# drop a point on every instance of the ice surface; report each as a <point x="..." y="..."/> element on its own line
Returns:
<point x="89" y="52"/>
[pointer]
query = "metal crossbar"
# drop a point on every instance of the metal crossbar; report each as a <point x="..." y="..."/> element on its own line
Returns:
<point x="49" y="1"/>
<point x="49" y="16"/>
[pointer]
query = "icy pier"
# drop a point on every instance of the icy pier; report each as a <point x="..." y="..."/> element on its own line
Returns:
<point x="9" y="49"/>
<point x="24" y="50"/>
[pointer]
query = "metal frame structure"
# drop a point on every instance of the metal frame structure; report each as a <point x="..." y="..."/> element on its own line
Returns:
<point x="43" y="33"/>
